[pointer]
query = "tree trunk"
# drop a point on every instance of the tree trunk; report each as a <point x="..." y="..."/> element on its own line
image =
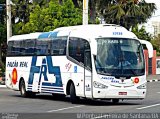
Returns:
<point x="60" y="2"/>
<point x="92" y="4"/>
<point x="2" y="67"/>
<point x="0" y="53"/>
<point x="75" y="2"/>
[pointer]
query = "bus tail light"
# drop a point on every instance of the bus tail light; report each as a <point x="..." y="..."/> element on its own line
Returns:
<point x="136" y="80"/>
<point x="14" y="76"/>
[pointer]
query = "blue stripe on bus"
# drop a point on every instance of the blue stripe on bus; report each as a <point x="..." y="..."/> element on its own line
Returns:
<point x="53" y="35"/>
<point x="48" y="35"/>
<point x="44" y="35"/>
<point x="29" y="90"/>
<point x="52" y="91"/>
<point x="49" y="91"/>
<point x="51" y="84"/>
<point x="52" y="88"/>
<point x="44" y="88"/>
<point x="48" y="87"/>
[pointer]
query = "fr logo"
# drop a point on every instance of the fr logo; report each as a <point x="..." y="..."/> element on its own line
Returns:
<point x="45" y="68"/>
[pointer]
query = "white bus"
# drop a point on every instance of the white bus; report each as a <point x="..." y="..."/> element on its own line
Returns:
<point x="90" y="61"/>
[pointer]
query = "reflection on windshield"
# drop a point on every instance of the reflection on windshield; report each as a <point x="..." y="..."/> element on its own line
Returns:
<point x="117" y="56"/>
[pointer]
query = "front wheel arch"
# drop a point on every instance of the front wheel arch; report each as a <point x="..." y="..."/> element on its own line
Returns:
<point x="68" y="87"/>
<point x="22" y="88"/>
<point x="21" y="79"/>
<point x="23" y="91"/>
<point x="73" y="97"/>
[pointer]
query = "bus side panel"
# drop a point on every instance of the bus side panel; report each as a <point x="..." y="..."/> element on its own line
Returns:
<point x="16" y="68"/>
<point x="70" y="71"/>
<point x="48" y="74"/>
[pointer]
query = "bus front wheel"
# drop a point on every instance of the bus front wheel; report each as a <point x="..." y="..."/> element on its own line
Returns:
<point x="73" y="97"/>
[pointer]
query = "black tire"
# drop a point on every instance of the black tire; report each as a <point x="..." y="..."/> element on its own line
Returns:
<point x="73" y="97"/>
<point x="23" y="91"/>
<point x="115" y="101"/>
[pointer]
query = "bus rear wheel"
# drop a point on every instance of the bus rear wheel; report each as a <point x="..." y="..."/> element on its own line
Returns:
<point x="23" y="91"/>
<point x="73" y="97"/>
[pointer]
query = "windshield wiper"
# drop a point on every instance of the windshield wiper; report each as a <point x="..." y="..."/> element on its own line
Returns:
<point x="132" y="70"/>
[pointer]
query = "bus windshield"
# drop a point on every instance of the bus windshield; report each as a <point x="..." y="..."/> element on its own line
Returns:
<point x="119" y="57"/>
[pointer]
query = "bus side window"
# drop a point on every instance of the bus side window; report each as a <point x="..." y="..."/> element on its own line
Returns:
<point x="54" y="44"/>
<point x="22" y="48"/>
<point x="58" y="46"/>
<point x="16" y="48"/>
<point x="42" y="47"/>
<point x="10" y="48"/>
<point x="87" y="56"/>
<point x="30" y="47"/>
<point x="77" y="47"/>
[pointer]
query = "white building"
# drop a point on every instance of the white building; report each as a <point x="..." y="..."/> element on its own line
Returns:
<point x="149" y="28"/>
<point x="156" y="26"/>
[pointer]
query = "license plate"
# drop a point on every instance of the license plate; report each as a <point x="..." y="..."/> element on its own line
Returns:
<point x="122" y="93"/>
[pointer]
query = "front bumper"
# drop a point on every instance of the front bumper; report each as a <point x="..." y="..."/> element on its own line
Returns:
<point x="119" y="93"/>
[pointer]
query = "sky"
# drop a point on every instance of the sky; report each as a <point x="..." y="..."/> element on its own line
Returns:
<point x="156" y="15"/>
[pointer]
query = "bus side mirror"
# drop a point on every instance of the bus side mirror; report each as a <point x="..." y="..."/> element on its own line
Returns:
<point x="149" y="47"/>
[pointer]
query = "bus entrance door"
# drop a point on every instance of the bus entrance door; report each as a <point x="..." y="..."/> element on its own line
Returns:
<point x="87" y="74"/>
<point x="88" y="87"/>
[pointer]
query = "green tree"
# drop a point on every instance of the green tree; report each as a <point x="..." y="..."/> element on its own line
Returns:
<point x="2" y="35"/>
<point x="127" y="13"/>
<point x="141" y="33"/>
<point x="92" y="9"/>
<point x="2" y="43"/>
<point x="55" y="15"/>
<point x="21" y="10"/>
<point x="156" y="44"/>
<point x="41" y="3"/>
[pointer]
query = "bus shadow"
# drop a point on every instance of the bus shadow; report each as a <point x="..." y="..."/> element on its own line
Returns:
<point x="83" y="101"/>
<point x="90" y="102"/>
<point x="46" y="97"/>
<point x="53" y="97"/>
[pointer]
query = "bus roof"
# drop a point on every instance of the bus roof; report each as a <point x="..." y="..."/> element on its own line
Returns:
<point x="82" y="31"/>
<point x="95" y="31"/>
<point x="25" y="36"/>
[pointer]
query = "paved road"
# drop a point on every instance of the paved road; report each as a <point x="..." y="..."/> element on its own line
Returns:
<point x="12" y="102"/>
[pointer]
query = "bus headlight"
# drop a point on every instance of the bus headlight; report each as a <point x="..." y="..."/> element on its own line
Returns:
<point x="99" y="85"/>
<point x="143" y="86"/>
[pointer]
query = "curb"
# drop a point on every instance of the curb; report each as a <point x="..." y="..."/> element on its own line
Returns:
<point x="154" y="80"/>
<point x="2" y="86"/>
